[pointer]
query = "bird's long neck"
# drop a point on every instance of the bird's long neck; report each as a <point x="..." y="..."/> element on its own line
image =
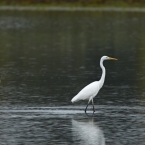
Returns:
<point x="103" y="74"/>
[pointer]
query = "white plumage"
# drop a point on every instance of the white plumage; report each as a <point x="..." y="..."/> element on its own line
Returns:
<point x="87" y="93"/>
<point x="91" y="90"/>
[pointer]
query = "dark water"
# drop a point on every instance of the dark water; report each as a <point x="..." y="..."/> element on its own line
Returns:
<point x="48" y="57"/>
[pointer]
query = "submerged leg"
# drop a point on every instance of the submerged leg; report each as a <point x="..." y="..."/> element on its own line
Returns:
<point x="93" y="105"/>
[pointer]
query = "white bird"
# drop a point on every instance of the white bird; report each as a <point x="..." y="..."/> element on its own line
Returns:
<point x="91" y="90"/>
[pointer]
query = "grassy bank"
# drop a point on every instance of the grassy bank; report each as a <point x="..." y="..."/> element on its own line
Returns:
<point x="74" y="3"/>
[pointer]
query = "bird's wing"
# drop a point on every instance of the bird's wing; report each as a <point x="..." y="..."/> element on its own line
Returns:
<point x="90" y="90"/>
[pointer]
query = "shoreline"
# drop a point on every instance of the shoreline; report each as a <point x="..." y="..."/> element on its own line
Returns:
<point x="63" y="8"/>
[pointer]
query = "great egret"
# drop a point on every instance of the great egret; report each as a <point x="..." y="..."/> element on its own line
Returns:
<point x="91" y="90"/>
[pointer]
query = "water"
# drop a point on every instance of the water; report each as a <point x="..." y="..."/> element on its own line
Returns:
<point x="47" y="57"/>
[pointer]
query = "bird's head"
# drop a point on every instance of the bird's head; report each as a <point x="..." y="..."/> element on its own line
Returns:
<point x="108" y="58"/>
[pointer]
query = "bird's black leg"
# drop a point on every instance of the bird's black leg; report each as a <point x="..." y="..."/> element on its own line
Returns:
<point x="93" y="106"/>
<point x="86" y="107"/>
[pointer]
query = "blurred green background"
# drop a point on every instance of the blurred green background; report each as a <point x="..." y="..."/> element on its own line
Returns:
<point x="121" y="3"/>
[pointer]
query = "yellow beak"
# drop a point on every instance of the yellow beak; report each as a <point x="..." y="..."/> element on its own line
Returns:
<point x="110" y="58"/>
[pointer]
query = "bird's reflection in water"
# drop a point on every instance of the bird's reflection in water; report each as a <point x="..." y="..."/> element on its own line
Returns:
<point x="87" y="133"/>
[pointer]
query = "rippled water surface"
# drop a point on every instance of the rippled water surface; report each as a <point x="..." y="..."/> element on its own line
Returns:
<point x="47" y="57"/>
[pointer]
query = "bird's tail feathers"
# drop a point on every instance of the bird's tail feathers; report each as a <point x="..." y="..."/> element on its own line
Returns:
<point x="74" y="99"/>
